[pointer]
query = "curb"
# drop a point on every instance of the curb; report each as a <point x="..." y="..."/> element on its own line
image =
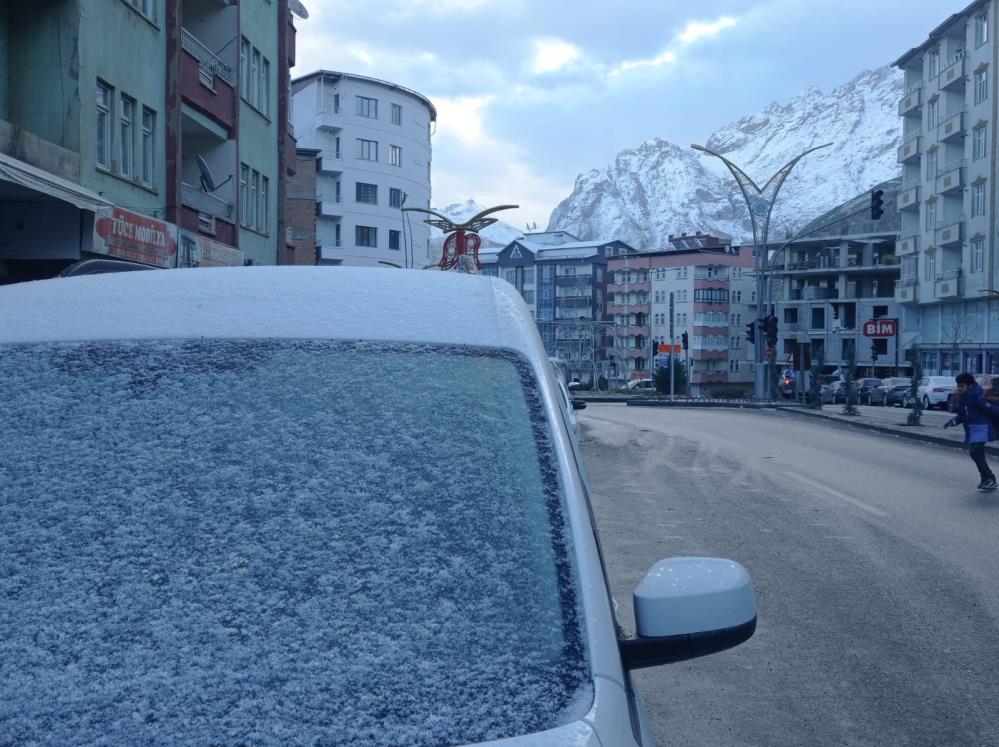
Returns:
<point x="913" y="436"/>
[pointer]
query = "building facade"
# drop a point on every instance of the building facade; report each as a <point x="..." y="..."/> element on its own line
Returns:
<point x="713" y="296"/>
<point x="948" y="159"/>
<point x="564" y="282"/>
<point x="373" y="139"/>
<point x="301" y="210"/>
<point x="157" y="129"/>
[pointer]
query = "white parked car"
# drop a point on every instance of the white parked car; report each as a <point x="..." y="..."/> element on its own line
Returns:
<point x="933" y="391"/>
<point x="311" y="505"/>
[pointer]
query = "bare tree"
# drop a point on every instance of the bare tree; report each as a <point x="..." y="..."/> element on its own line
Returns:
<point x="961" y="330"/>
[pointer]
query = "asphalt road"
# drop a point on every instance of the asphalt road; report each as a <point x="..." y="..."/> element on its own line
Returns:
<point x="875" y="563"/>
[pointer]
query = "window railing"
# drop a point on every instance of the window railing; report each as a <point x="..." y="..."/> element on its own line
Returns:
<point x="912" y="88"/>
<point x="327" y="109"/>
<point x="207" y="59"/>
<point x="204" y="202"/>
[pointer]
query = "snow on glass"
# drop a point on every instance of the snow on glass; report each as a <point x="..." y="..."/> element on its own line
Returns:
<point x="291" y="541"/>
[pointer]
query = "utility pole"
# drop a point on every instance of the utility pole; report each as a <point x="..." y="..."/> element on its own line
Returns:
<point x="672" y="352"/>
<point x="760" y="203"/>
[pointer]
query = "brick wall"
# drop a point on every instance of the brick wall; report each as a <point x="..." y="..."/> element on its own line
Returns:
<point x="300" y="245"/>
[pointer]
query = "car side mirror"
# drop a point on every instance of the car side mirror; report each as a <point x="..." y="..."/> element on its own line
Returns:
<point x="689" y="607"/>
<point x="578" y="404"/>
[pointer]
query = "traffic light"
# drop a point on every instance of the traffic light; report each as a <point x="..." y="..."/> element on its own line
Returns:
<point x="751" y="332"/>
<point x="877" y="204"/>
<point x="770" y="327"/>
<point x="684" y="339"/>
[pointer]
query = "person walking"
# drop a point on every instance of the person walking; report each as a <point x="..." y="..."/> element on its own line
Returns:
<point x="975" y="413"/>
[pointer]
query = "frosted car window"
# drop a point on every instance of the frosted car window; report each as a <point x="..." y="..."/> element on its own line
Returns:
<point x="288" y="541"/>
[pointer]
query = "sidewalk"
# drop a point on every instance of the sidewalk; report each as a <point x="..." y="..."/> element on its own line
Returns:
<point x="891" y="421"/>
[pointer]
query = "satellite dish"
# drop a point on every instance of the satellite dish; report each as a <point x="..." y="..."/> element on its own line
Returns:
<point x="207" y="182"/>
<point x="296" y="7"/>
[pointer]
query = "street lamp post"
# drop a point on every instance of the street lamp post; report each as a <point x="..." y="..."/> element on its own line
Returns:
<point x="760" y="202"/>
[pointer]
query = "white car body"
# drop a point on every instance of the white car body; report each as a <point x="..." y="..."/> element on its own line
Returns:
<point x="933" y="391"/>
<point x="684" y="607"/>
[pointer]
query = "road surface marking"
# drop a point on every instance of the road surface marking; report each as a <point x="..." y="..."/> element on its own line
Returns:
<point x="839" y="494"/>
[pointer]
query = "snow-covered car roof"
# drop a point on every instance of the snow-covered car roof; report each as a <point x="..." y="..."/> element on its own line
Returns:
<point x="273" y="302"/>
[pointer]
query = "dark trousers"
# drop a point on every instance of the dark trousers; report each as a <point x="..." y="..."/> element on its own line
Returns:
<point x="977" y="452"/>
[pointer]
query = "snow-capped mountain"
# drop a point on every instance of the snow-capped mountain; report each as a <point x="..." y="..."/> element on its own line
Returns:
<point x="497" y="235"/>
<point x="660" y="188"/>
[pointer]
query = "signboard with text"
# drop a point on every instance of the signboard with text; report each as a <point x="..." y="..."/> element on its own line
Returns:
<point x="880" y="328"/>
<point x="201" y="251"/>
<point x="135" y="237"/>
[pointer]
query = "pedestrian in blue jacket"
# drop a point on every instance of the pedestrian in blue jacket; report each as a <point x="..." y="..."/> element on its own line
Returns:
<point x="975" y="413"/>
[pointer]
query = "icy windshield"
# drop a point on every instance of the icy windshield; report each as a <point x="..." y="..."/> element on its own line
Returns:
<point x="281" y="541"/>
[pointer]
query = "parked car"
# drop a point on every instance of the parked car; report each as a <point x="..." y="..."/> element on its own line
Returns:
<point x="641" y="385"/>
<point x="934" y="391"/>
<point x="828" y="382"/>
<point x="881" y="395"/>
<point x="988" y="382"/>
<point x="224" y="523"/>
<point x="865" y="390"/>
<point x="895" y="397"/>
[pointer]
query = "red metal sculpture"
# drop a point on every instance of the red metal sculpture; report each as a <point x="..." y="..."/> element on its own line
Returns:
<point x="461" y="245"/>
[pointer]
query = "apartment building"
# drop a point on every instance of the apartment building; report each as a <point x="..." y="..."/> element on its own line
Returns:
<point x="373" y="139"/>
<point x="948" y="202"/>
<point x="564" y="282"/>
<point x="712" y="288"/>
<point x="152" y="131"/>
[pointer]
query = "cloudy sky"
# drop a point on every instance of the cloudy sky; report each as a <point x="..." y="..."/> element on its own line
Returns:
<point x="530" y="93"/>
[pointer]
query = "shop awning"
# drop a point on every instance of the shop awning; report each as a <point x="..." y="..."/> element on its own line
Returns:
<point x="39" y="180"/>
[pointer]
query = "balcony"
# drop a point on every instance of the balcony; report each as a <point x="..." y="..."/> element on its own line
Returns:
<point x="569" y="302"/>
<point x="905" y="290"/>
<point x="329" y="117"/>
<point x="949" y="231"/>
<point x="952" y="76"/>
<point x="909" y="150"/>
<point x="329" y="209"/>
<point x="909" y="199"/>
<point x="631" y="330"/>
<point x="909" y="245"/>
<point x="643" y="287"/>
<point x="562" y="281"/>
<point x="912" y="100"/>
<point x="206" y="203"/>
<point x="951" y="127"/>
<point x="330" y="162"/>
<point x="206" y="81"/>
<point x="948" y="284"/>
<point x="631" y="308"/>
<point x="950" y="177"/>
<point x="698" y="354"/>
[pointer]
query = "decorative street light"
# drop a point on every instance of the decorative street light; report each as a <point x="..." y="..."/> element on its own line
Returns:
<point x="760" y="203"/>
<point x="461" y="244"/>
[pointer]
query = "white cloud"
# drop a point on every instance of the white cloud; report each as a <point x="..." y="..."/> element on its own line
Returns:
<point x="663" y="58"/>
<point x="461" y="118"/>
<point x="552" y="54"/>
<point x="699" y="29"/>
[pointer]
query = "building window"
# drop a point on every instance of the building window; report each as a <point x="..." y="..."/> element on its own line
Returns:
<point x="394" y="240"/>
<point x="366" y="236"/>
<point x="978" y="143"/>
<point x="931" y="265"/>
<point x="528" y="296"/>
<point x="931" y="114"/>
<point x="931" y="215"/>
<point x="255" y="72"/>
<point x="145" y="7"/>
<point x="265" y="86"/>
<point x="981" y="85"/>
<point x="977" y="255"/>
<point x="978" y="199"/>
<point x="395" y="155"/>
<point x="104" y="98"/>
<point x="981" y="29"/>
<point x="127" y="135"/>
<point x="931" y="164"/>
<point x="148" y="174"/>
<point x="395" y="197"/>
<point x="934" y="63"/>
<point x="367" y="150"/>
<point x="263" y="211"/>
<point x="367" y="107"/>
<point x="367" y="193"/>
<point x="396" y="114"/>
<point x="244" y="183"/>
<point x="251" y="218"/>
<point x="254" y="83"/>
<point x="244" y="64"/>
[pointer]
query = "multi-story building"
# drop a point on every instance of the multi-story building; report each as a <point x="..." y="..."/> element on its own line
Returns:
<point x="148" y="130"/>
<point x="948" y="200"/>
<point x="564" y="282"/>
<point x="373" y="139"/>
<point x="711" y="286"/>
<point x="835" y="278"/>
